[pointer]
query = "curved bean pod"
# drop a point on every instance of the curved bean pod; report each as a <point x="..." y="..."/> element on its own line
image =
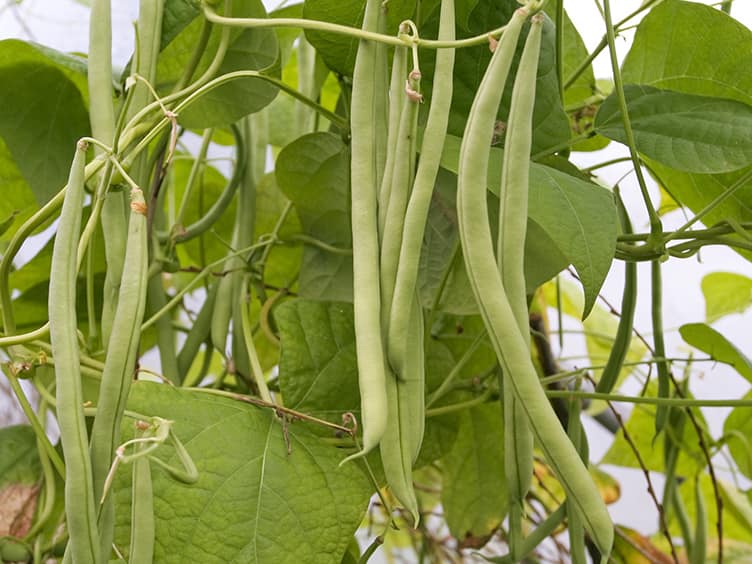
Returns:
<point x="367" y="299"/>
<point x="398" y="195"/>
<point x="396" y="91"/>
<point x="83" y="544"/>
<point x="510" y="256"/>
<point x="623" y="337"/>
<point x="120" y="362"/>
<point x="420" y="198"/>
<point x="511" y="347"/>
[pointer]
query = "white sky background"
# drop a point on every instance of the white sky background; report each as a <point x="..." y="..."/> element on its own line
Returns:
<point x="63" y="24"/>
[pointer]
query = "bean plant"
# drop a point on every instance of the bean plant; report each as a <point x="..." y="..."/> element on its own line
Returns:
<point x="291" y="285"/>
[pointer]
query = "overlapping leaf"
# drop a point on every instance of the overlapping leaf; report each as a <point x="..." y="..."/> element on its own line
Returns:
<point x="253" y="495"/>
<point x="687" y="132"/>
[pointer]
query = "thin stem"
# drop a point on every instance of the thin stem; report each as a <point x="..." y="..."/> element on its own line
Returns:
<point x="201" y="275"/>
<point x="656" y="227"/>
<point x="401" y="41"/>
<point x="34" y="421"/>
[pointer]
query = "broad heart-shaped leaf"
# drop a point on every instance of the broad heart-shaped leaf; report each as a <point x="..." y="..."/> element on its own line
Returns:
<point x="689" y="47"/>
<point x="43" y="116"/>
<point x="474" y="494"/>
<point x="550" y="122"/>
<point x="254" y="501"/>
<point x="687" y="132"/>
<point x="314" y="173"/>
<point x="578" y="216"/>
<point x="725" y="293"/>
<point x="338" y="51"/>
<point x="710" y="341"/>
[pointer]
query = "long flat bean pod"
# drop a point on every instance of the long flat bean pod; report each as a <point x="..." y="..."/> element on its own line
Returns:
<point x="511" y="347"/>
<point x="81" y="519"/>
<point x="513" y="203"/>
<point x="420" y="198"/>
<point x="120" y="362"/>
<point x="102" y="118"/>
<point x="398" y="195"/>
<point x="367" y="300"/>
<point x="396" y="90"/>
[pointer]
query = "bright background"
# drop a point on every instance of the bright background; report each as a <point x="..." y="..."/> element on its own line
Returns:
<point x="63" y="25"/>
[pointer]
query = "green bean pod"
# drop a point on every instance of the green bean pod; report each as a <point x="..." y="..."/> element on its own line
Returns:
<point x="142" y="513"/>
<point x="102" y="118"/>
<point x="420" y="198"/>
<point x="510" y="249"/>
<point x="623" y="337"/>
<point x="398" y="196"/>
<point x="81" y="517"/>
<point x="120" y="362"/>
<point x="403" y="437"/>
<point x="576" y="531"/>
<point x="198" y="334"/>
<point x="396" y="92"/>
<point x="367" y="299"/>
<point x="381" y="101"/>
<point x="512" y="349"/>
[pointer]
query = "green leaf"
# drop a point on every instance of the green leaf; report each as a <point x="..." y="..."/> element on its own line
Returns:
<point x="283" y="263"/>
<point x="314" y="173"/>
<point x="574" y="53"/>
<point x="254" y="49"/>
<point x="177" y="15"/>
<point x="338" y="51"/>
<point x="474" y="495"/>
<point x="578" y="216"/>
<point x="689" y="47"/>
<point x="19" y="460"/>
<point x="550" y="122"/>
<point x="15" y="52"/>
<point x="255" y="501"/>
<point x="20" y="474"/>
<point x="710" y="341"/>
<point x="687" y="132"/>
<point x="17" y="197"/>
<point x="725" y="293"/>
<point x="317" y="368"/>
<point x="251" y="49"/>
<point x="43" y="116"/>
